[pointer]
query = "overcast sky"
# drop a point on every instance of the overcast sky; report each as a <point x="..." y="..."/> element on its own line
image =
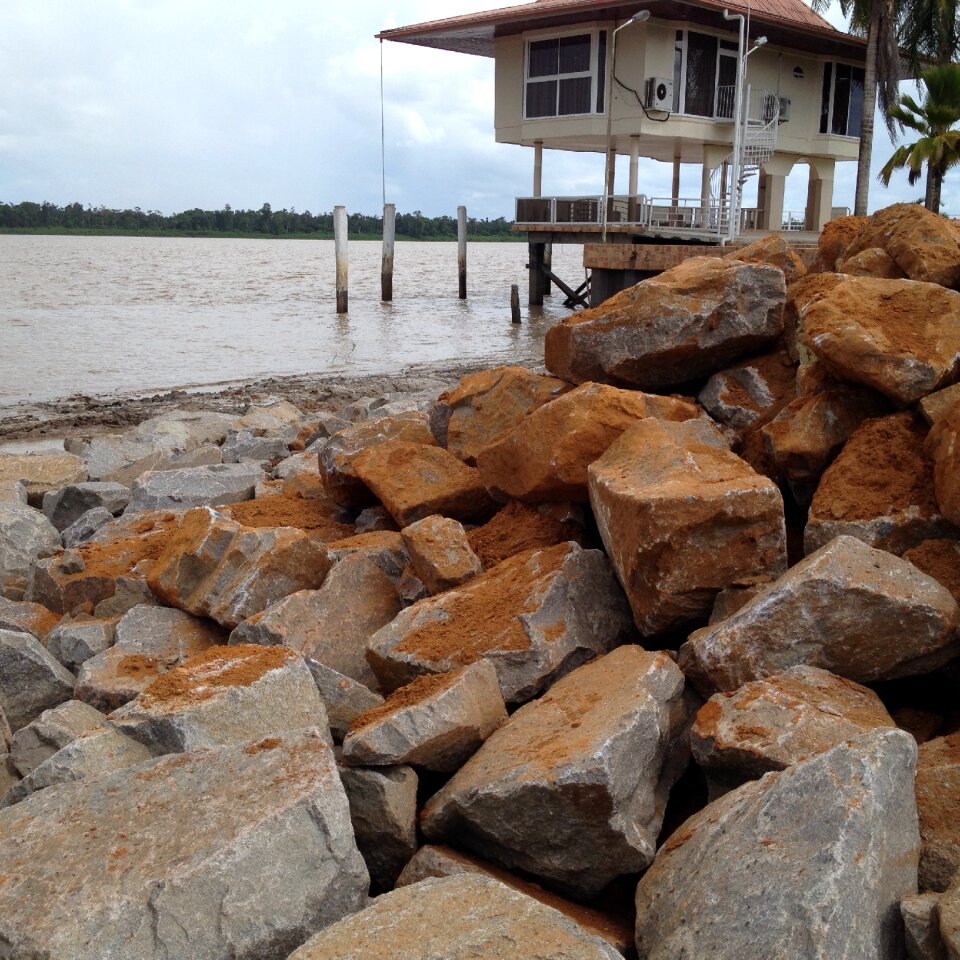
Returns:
<point x="173" y="104"/>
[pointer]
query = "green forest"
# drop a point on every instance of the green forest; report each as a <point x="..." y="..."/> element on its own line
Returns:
<point x="75" y="218"/>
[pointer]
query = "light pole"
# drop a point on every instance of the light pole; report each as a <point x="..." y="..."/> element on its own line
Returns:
<point x="638" y="17"/>
<point x="737" y="113"/>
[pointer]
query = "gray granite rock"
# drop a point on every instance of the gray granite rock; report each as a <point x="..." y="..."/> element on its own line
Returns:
<point x="859" y="612"/>
<point x="149" y="642"/>
<point x="65" y="506"/>
<point x="246" y="446"/>
<point x="26" y="535"/>
<point x="85" y="526"/>
<point x="92" y="754"/>
<point x="921" y="927"/>
<point x="331" y="625"/>
<point x="73" y="644"/>
<point x="536" y="616"/>
<point x="194" y="487"/>
<point x="24" y="615"/>
<point x="343" y="697"/>
<point x="573" y="787"/>
<point x="383" y="811"/>
<point x="31" y="681"/>
<point x="938" y="801"/>
<point x="808" y="863"/>
<point x="950" y="922"/>
<point x="12" y="491"/>
<point x="456" y="918"/>
<point x="197" y="855"/>
<point x="224" y="695"/>
<point x="40" y="472"/>
<point x="435" y="722"/>
<point x="51" y="731"/>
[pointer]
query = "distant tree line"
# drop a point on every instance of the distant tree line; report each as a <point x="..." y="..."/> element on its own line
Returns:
<point x="74" y="217"/>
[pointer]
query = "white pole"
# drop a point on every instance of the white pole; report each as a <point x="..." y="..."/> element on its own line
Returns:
<point x="737" y="113"/>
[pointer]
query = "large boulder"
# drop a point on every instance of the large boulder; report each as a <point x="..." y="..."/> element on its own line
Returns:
<point x="74" y="642"/>
<point x="880" y="489"/>
<point x="343" y="697"/>
<point x="383" y="811"/>
<point x="65" y="506"/>
<point x="944" y="450"/>
<point x="40" y="473"/>
<point x="336" y="456"/>
<point x="440" y="553"/>
<point x="456" y="918"/>
<point x="682" y="517"/>
<point x="808" y="863"/>
<point x="52" y="731"/>
<point x="224" y="695"/>
<point x="688" y="322"/>
<point x="775" y="251"/>
<point x="24" y="615"/>
<point x="212" y="485"/>
<point x="573" y="787"/>
<point x="536" y="616"/>
<point x="217" y="568"/>
<point x="26" y="536"/>
<point x="105" y="568"/>
<point x="415" y="480"/>
<point x="836" y="238"/>
<point x="939" y="559"/>
<point x="924" y="245"/>
<point x="485" y="405"/>
<point x="872" y="262"/>
<point x="333" y="624"/>
<point x="859" y="612"/>
<point x="31" y="681"/>
<point x="436" y="721"/>
<point x="319" y="515"/>
<point x="921" y="927"/>
<point x="938" y="798"/>
<point x="196" y="855"/>
<point x="149" y="641"/>
<point x="545" y="457"/>
<point x="900" y="337"/>
<point x="783" y="719"/>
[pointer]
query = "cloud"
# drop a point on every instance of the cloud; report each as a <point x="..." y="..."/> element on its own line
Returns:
<point x="172" y="104"/>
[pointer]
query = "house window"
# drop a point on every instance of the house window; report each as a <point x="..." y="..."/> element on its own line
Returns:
<point x="565" y="75"/>
<point x="841" y="100"/>
<point x="704" y="75"/>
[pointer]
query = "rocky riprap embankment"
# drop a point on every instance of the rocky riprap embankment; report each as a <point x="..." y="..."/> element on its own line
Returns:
<point x="653" y="656"/>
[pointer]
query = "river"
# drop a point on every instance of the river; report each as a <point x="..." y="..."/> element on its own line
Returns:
<point x="100" y="315"/>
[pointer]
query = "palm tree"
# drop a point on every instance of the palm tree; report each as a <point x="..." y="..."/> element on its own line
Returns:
<point x="878" y="20"/>
<point x="938" y="145"/>
<point x="930" y="31"/>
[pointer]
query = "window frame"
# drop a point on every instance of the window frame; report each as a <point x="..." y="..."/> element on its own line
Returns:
<point x="680" y="85"/>
<point x="828" y="121"/>
<point x="598" y="85"/>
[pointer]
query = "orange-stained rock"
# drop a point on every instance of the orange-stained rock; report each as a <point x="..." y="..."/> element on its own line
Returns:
<point x="536" y="616"/>
<point x="319" y="516"/>
<point x="752" y="392"/>
<point x="688" y="322"/>
<point x="772" y="723"/>
<point x="872" y="262"/>
<point x="414" y="480"/>
<point x="775" y="251"/>
<point x="22" y="615"/>
<point x="41" y="473"/>
<point x="545" y="457"/>
<point x="939" y="559"/>
<point x="938" y="798"/>
<point x="519" y="527"/>
<point x="900" y="337"/>
<point x="682" y="517"/>
<point x="215" y="567"/>
<point x="944" y="449"/>
<point x="936" y="406"/>
<point x="487" y="404"/>
<point x="809" y="432"/>
<point x="337" y="455"/>
<point x="880" y="489"/>
<point x="440" y="553"/>
<point x="924" y="245"/>
<point x="835" y="238"/>
<point x="120" y="553"/>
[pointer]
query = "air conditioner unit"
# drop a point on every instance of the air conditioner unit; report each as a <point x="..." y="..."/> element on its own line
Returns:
<point x="659" y="94"/>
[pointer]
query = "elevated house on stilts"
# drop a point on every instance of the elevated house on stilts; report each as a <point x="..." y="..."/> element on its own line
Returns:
<point x="744" y="90"/>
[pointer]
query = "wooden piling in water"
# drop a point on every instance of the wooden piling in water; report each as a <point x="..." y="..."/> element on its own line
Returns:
<point x="340" y="233"/>
<point x="548" y="266"/>
<point x="462" y="250"/>
<point x="514" y="303"/>
<point x="386" y="266"/>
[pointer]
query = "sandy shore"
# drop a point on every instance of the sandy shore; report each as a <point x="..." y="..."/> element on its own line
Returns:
<point x="81" y="414"/>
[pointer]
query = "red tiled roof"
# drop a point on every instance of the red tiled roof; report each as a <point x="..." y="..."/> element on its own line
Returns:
<point x="474" y="32"/>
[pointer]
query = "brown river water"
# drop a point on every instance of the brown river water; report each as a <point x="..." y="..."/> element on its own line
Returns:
<point x="99" y="315"/>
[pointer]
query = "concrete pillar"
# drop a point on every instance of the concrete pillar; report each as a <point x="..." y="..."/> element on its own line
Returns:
<point x="675" y="186"/>
<point x="819" y="194"/>
<point x="634" y="177"/>
<point x="538" y="168"/>
<point x="773" y="201"/>
<point x="705" y="175"/>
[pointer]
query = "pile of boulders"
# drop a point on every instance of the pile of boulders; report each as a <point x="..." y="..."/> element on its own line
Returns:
<point x="653" y="655"/>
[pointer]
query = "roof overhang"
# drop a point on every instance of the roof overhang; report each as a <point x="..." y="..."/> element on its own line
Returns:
<point x="475" y="33"/>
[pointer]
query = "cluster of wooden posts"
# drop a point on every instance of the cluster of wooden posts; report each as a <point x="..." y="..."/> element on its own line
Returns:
<point x="340" y="231"/>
